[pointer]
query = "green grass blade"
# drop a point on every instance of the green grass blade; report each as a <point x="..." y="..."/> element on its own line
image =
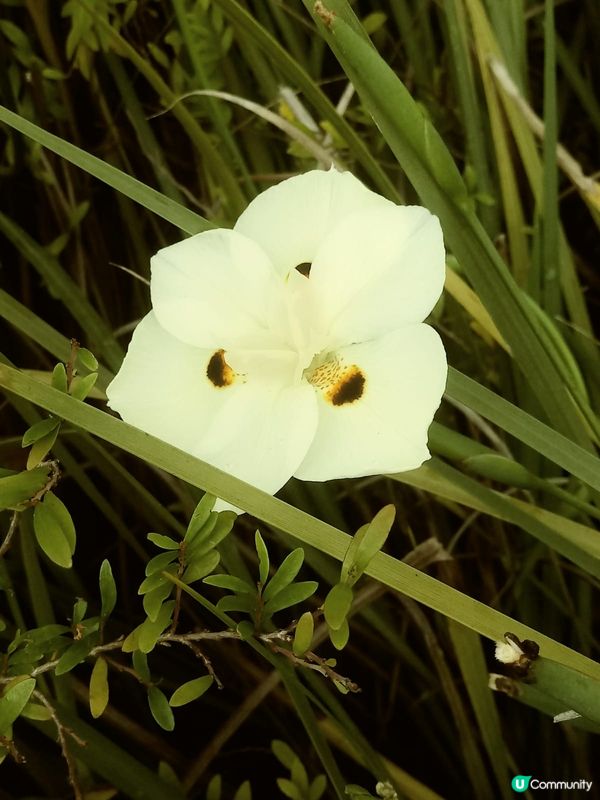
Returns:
<point x="60" y="284"/>
<point x="184" y="219"/>
<point x="294" y="73"/>
<point x="471" y="661"/>
<point x="32" y="326"/>
<point x="574" y="541"/>
<point x="431" y="169"/>
<point x="550" y="216"/>
<point x="110" y="761"/>
<point x="526" y="428"/>
<point x="384" y="568"/>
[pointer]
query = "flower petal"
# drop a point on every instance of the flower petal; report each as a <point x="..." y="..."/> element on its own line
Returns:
<point x="251" y="425"/>
<point x="215" y="289"/>
<point x="382" y="426"/>
<point x="379" y="269"/>
<point x="290" y="220"/>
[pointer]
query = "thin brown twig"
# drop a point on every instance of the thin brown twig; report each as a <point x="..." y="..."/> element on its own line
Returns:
<point x="11" y="532"/>
<point x="62" y="732"/>
<point x="315" y="662"/>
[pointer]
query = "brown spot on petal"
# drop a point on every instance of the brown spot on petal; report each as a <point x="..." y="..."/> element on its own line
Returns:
<point x="348" y="388"/>
<point x="340" y="384"/>
<point x="304" y="268"/>
<point x="218" y="371"/>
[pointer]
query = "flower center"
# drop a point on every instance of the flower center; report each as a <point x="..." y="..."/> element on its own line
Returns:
<point x="340" y="384"/>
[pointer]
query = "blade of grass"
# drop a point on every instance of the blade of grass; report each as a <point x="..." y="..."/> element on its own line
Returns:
<point x="395" y="574"/>
<point x="183" y="218"/>
<point x="219" y="121"/>
<point x="573" y="540"/>
<point x="471" y="661"/>
<point x="524" y="427"/>
<point x="61" y="285"/>
<point x="550" y="215"/>
<point x="110" y="761"/>
<point x="313" y="94"/>
<point x="32" y="326"/>
<point x="430" y="168"/>
<point x="229" y="191"/>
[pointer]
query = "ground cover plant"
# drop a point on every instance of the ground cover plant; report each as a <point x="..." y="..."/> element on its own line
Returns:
<point x="418" y="634"/>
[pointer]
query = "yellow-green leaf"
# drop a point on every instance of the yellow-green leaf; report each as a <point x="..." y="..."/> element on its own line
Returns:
<point x="99" y="688"/>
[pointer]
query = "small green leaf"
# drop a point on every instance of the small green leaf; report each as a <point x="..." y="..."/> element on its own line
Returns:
<point x="74" y="655"/>
<point x="79" y="609"/>
<point x="81" y="387"/>
<point x="37" y="712"/>
<point x="289" y="789"/>
<point x="59" y="378"/>
<point x="153" y="600"/>
<point x="167" y="774"/>
<point x="99" y="688"/>
<point x="160" y="708"/>
<point x="285" y="574"/>
<point x="13" y="701"/>
<point x="244" y="792"/>
<point x="108" y="589"/>
<point x="374" y="21"/>
<point x="53" y="532"/>
<point x="156" y="579"/>
<point x="365" y="544"/>
<point x="317" y="788"/>
<point x="39" y="430"/>
<point x="303" y="635"/>
<point x="299" y="776"/>
<point x="160" y="562"/>
<point x="149" y="631"/>
<point x="245" y="630"/>
<point x="140" y="665"/>
<point x="263" y="558"/>
<point x="337" y="605"/>
<point x="230" y="582"/>
<point x="162" y="541"/>
<point x="200" y="567"/>
<point x="62" y="516"/>
<point x="200" y="536"/>
<point x="17" y="490"/>
<point x="283" y="752"/>
<point x="207" y="539"/>
<point x="339" y="638"/>
<point x="190" y="691"/>
<point x="214" y="788"/>
<point x="41" y="448"/>
<point x="295" y="593"/>
<point x="237" y="602"/>
<point x="200" y="516"/>
<point x="87" y="359"/>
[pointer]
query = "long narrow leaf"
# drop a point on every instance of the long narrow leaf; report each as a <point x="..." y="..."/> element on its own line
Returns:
<point x="384" y="568"/>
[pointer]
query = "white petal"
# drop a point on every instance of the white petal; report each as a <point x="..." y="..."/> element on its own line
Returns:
<point x="378" y="270"/>
<point x="258" y="428"/>
<point x="290" y="220"/>
<point x="215" y="289"/>
<point x="385" y="429"/>
<point x="162" y="386"/>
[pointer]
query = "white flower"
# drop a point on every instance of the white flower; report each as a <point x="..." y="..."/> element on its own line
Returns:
<point x="265" y="373"/>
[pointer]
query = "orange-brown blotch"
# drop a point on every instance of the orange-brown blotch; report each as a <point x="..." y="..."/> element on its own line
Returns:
<point x="349" y="387"/>
<point x="218" y="371"/>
